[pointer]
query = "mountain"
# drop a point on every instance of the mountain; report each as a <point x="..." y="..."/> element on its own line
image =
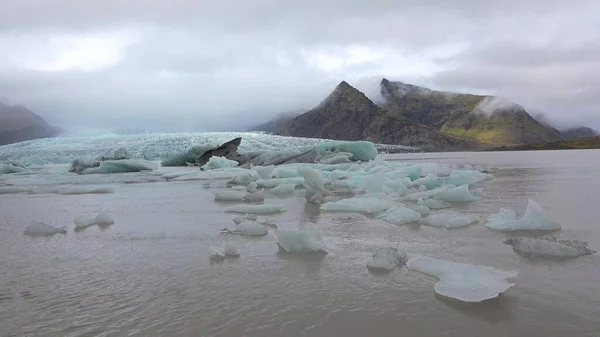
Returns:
<point x="276" y="124"/>
<point x="484" y="119"/>
<point x="578" y="132"/>
<point x="566" y="144"/>
<point x="18" y="124"/>
<point x="347" y="114"/>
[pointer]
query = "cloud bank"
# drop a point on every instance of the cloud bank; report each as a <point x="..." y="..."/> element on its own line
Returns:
<point x="202" y="65"/>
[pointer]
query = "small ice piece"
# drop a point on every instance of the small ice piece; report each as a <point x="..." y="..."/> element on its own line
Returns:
<point x="336" y="158"/>
<point x="421" y="209"/>
<point x="268" y="222"/>
<point x="300" y="241"/>
<point x="254" y="196"/>
<point x="81" y="221"/>
<point x="385" y="260"/>
<point x="466" y="177"/>
<point x="244" y="178"/>
<point x="85" y="190"/>
<point x="238" y="220"/>
<point x="313" y="179"/>
<point x="231" y="251"/>
<point x="255" y="209"/>
<point x="229" y="195"/>
<point x="216" y="256"/>
<point x="375" y="184"/>
<point x="430" y="181"/>
<point x="251" y="217"/>
<point x="121" y="166"/>
<point x="43" y="229"/>
<point x="8" y="169"/>
<point x="250" y="228"/>
<point x="450" y="219"/>
<point x="252" y="187"/>
<point x="549" y="247"/>
<point x="270" y="183"/>
<point x="424" y="194"/>
<point x="281" y="172"/>
<point x="265" y="172"/>
<point x="13" y="190"/>
<point x="399" y="215"/>
<point x="462" y="281"/>
<point x="361" y="205"/>
<point x="283" y="189"/>
<point x="216" y="162"/>
<point x="456" y="194"/>
<point x="434" y="203"/>
<point x="104" y="219"/>
<point x="533" y="219"/>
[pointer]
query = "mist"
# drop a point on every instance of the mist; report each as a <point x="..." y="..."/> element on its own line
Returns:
<point x="202" y="66"/>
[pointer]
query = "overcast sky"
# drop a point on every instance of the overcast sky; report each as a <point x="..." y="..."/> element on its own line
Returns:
<point x="183" y="65"/>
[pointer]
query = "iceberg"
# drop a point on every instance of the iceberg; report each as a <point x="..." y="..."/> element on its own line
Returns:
<point x="466" y="177"/>
<point x="218" y="163"/>
<point x="423" y="210"/>
<point x="361" y="205"/>
<point x="548" y="247"/>
<point x="315" y="185"/>
<point x="281" y="172"/>
<point x="533" y="219"/>
<point x="430" y="181"/>
<point x="385" y="260"/>
<point x="462" y="281"/>
<point x="434" y="203"/>
<point x="450" y="219"/>
<point x="399" y="215"/>
<point x="81" y="222"/>
<point x="255" y="209"/>
<point x="188" y="156"/>
<point x="336" y="158"/>
<point x="304" y="241"/>
<point x="265" y="172"/>
<point x="270" y="183"/>
<point x="121" y="166"/>
<point x="227" y="251"/>
<point x="456" y="194"/>
<point x="43" y="229"/>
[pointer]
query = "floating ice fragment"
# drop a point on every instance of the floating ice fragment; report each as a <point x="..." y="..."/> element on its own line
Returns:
<point x="462" y="281"/>
<point x="399" y="215"/>
<point x="216" y="162"/>
<point x="121" y="166"/>
<point x="229" y="195"/>
<point x="281" y="172"/>
<point x="254" y="196"/>
<point x="430" y="182"/>
<point x="421" y="209"/>
<point x="248" y="228"/>
<point x="434" y="203"/>
<point x="43" y="229"/>
<point x="533" y="219"/>
<point x="103" y="219"/>
<point x="450" y="219"/>
<point x="85" y="190"/>
<point x="386" y="260"/>
<point x="268" y="222"/>
<point x="270" y="183"/>
<point x="283" y="189"/>
<point x="456" y="194"/>
<point x="255" y="209"/>
<point x="300" y="241"/>
<point x="8" y="169"/>
<point x="265" y="172"/>
<point x="81" y="221"/>
<point x="362" y="205"/>
<point x="549" y="247"/>
<point x="231" y="251"/>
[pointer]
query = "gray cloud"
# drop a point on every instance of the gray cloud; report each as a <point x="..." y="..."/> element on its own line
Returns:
<point x="204" y="65"/>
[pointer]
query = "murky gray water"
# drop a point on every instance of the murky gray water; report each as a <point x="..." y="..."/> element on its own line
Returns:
<point x="149" y="274"/>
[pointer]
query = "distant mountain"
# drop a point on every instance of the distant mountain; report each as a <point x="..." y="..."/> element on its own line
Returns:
<point x="578" y="132"/>
<point x="347" y="114"/>
<point x="566" y="144"/>
<point x="488" y="120"/>
<point x="18" y="124"/>
<point x="276" y="125"/>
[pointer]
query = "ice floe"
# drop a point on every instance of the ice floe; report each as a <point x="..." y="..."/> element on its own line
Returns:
<point x="462" y="281"/>
<point x="216" y="162"/>
<point x="360" y="204"/>
<point x="399" y="215"/>
<point x="255" y="209"/>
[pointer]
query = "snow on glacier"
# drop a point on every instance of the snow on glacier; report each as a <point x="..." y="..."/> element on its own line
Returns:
<point x="533" y="219"/>
<point x="462" y="281"/>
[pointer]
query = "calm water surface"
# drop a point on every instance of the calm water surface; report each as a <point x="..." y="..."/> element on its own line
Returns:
<point x="149" y="274"/>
